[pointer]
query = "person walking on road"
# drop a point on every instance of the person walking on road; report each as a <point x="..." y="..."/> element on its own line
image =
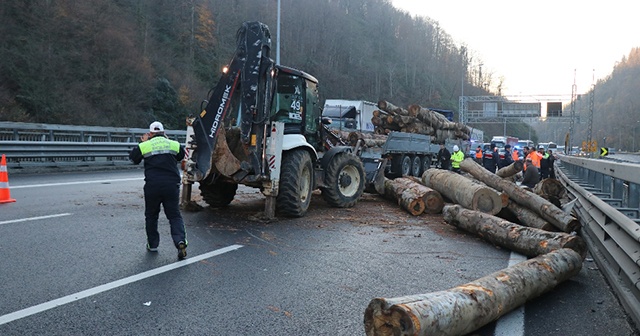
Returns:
<point x="456" y="158"/>
<point x="444" y="157"/>
<point x="162" y="185"/>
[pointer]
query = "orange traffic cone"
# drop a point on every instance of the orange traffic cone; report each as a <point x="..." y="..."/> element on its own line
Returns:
<point x="5" y="197"/>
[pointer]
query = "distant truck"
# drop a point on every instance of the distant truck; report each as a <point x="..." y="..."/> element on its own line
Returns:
<point x="410" y="153"/>
<point x="501" y="141"/>
<point x="350" y="115"/>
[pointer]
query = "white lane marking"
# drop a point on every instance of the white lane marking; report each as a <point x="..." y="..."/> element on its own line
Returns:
<point x="75" y="182"/>
<point x="4" y="319"/>
<point x="34" y="218"/>
<point x="512" y="324"/>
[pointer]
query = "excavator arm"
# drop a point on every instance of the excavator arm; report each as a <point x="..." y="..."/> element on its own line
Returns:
<point x="245" y="88"/>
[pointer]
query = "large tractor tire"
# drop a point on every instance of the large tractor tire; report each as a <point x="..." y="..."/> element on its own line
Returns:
<point x="217" y="193"/>
<point x="345" y="179"/>
<point x="296" y="184"/>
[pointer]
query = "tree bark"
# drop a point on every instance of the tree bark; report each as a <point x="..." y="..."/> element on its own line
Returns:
<point x="539" y="205"/>
<point x="529" y="218"/>
<point x="465" y="308"/>
<point x="392" y="109"/>
<point x="511" y="169"/>
<point x="463" y="191"/>
<point x="529" y="241"/>
<point x="413" y="196"/>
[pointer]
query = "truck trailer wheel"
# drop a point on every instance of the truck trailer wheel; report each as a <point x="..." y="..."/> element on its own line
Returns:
<point x="416" y="166"/>
<point x="296" y="184"/>
<point x="345" y="179"/>
<point x="426" y="163"/>
<point x="217" y="193"/>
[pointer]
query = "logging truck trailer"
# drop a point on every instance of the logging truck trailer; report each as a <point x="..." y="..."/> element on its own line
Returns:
<point x="262" y="128"/>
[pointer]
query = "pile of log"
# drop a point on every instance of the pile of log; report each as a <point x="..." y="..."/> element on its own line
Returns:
<point x="417" y="119"/>
<point x="410" y="194"/>
<point x="557" y="256"/>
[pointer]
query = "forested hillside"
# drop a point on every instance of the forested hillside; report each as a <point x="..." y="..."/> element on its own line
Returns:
<point x="126" y="63"/>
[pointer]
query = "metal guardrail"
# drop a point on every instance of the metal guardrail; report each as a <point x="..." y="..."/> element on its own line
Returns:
<point x="28" y="145"/>
<point x="606" y="198"/>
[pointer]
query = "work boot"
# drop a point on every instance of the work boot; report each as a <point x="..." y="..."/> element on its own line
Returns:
<point x="182" y="250"/>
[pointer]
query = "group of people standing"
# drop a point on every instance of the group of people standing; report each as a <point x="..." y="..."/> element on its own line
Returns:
<point x="538" y="164"/>
<point x="448" y="161"/>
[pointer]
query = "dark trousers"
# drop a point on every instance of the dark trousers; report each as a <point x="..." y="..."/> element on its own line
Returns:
<point x="167" y="195"/>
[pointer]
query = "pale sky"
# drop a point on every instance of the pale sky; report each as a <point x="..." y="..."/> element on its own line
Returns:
<point x="538" y="47"/>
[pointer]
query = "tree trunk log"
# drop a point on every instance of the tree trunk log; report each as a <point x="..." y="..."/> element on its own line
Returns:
<point x="550" y="188"/>
<point x="413" y="196"/>
<point x="463" y="191"/>
<point x="529" y="241"/>
<point x="529" y="218"/>
<point x="539" y="205"/>
<point x="392" y="109"/>
<point x="511" y="169"/>
<point x="465" y="308"/>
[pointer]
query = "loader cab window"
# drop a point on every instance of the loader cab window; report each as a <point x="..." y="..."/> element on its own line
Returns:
<point x="288" y="105"/>
<point x="313" y="109"/>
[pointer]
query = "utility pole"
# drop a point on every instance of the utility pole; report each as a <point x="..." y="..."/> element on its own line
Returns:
<point x="278" y="37"/>
<point x="573" y="109"/>
<point x="591" y="105"/>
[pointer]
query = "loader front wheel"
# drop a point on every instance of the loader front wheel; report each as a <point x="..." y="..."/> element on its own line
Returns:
<point x="345" y="178"/>
<point x="296" y="184"/>
<point x="217" y="193"/>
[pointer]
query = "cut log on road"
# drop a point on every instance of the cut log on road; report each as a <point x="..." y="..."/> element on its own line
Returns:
<point x="539" y="205"/>
<point x="511" y="169"/>
<point x="550" y="187"/>
<point x="463" y="191"/>
<point x="529" y="218"/>
<point x="463" y="309"/>
<point x="413" y="196"/>
<point x="529" y="241"/>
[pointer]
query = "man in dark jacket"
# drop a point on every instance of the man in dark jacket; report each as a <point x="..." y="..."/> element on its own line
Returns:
<point x="531" y="176"/>
<point x="508" y="159"/>
<point x="162" y="186"/>
<point x="444" y="157"/>
<point x="491" y="163"/>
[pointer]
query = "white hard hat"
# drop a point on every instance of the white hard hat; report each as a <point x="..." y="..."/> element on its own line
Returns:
<point x="455" y="148"/>
<point x="156" y="127"/>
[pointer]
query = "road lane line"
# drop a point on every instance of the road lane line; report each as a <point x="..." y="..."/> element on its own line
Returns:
<point x="512" y="324"/>
<point x="4" y="319"/>
<point x="34" y="218"/>
<point x="75" y="182"/>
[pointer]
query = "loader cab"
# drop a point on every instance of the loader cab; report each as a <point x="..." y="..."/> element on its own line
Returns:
<point x="295" y="102"/>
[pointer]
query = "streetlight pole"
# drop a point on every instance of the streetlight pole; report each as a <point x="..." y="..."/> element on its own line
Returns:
<point x="278" y="37"/>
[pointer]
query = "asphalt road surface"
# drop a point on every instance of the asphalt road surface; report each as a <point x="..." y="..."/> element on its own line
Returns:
<point x="74" y="263"/>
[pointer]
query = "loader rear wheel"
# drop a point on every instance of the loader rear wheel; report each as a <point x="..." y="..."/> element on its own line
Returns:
<point x="296" y="184"/>
<point x="217" y="193"/>
<point x="345" y="179"/>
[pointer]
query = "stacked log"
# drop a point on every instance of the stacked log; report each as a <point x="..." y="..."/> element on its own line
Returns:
<point x="539" y="205"/>
<point x="463" y="309"/>
<point x="417" y="119"/>
<point x="463" y="191"/>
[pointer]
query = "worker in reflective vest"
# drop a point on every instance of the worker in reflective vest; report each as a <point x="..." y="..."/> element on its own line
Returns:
<point x="479" y="155"/>
<point x="515" y="155"/>
<point x="162" y="185"/>
<point x="456" y="158"/>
